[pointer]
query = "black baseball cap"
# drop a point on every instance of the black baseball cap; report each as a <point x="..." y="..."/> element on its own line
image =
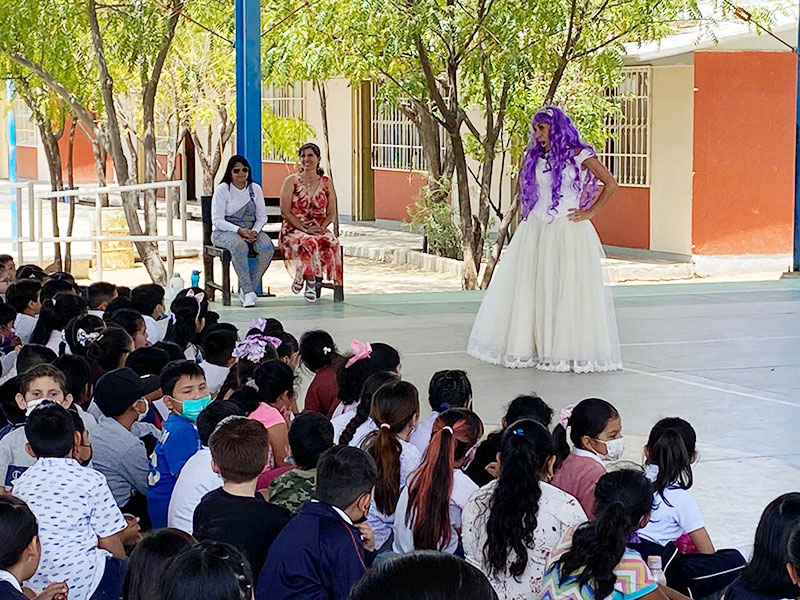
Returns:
<point x="117" y="390"/>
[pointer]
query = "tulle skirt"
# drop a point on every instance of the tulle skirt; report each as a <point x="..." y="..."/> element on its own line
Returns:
<point x="547" y="305"/>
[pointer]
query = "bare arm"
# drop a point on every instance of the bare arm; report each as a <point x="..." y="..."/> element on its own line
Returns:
<point x="610" y="186"/>
<point x="286" y="205"/>
<point x="702" y="541"/>
<point x="279" y="441"/>
<point x="112" y="544"/>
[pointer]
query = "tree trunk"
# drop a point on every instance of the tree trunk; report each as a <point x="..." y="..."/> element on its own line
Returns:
<point x="71" y="183"/>
<point x="471" y="259"/>
<point x="323" y="110"/>
<point x="148" y="251"/>
<point x="50" y="144"/>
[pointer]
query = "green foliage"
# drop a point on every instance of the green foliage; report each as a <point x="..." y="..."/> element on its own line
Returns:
<point x="437" y="219"/>
<point x="283" y="136"/>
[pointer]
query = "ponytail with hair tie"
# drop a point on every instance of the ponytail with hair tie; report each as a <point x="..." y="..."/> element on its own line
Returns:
<point x="671" y="447"/>
<point x="430" y="487"/>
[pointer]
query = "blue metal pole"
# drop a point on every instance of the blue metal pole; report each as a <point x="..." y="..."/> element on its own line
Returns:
<point x="12" y="156"/>
<point x="796" y="253"/>
<point x="248" y="83"/>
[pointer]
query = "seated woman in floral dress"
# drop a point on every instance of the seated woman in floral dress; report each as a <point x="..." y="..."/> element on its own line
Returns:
<point x="308" y="206"/>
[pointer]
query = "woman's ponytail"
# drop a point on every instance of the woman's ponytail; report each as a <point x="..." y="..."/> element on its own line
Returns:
<point x="623" y="498"/>
<point x="455" y="432"/>
<point x="371" y="385"/>
<point x="394" y="406"/>
<point x="671" y="447"/>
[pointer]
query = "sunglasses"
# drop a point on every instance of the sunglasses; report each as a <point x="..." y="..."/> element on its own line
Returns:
<point x="241" y="170"/>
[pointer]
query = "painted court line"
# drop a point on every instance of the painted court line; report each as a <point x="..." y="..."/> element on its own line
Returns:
<point x="713" y="388"/>
<point x="712" y="341"/>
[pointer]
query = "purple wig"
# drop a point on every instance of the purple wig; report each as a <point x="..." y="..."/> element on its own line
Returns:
<point x="564" y="141"/>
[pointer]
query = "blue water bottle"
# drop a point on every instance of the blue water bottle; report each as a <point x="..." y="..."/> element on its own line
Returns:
<point x="195" y="278"/>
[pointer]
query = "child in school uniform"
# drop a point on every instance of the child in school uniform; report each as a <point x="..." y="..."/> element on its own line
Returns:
<point x="148" y="299"/>
<point x="429" y="510"/>
<point x="319" y="354"/>
<point x="80" y="525"/>
<point x="669" y="454"/>
<point x="23" y="296"/>
<point x="218" y="348"/>
<point x="185" y="395"/>
<point x="395" y="410"/>
<point x="99" y="295"/>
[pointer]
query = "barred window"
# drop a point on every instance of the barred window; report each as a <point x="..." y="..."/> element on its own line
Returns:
<point x="627" y="149"/>
<point x="23" y="122"/>
<point x="166" y="130"/>
<point x="396" y="142"/>
<point x="284" y="101"/>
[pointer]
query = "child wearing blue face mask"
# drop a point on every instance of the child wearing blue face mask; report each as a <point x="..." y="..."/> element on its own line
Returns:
<point x="185" y="395"/>
<point x="595" y="429"/>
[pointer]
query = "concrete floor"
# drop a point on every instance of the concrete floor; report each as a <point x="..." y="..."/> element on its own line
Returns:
<point x="724" y="356"/>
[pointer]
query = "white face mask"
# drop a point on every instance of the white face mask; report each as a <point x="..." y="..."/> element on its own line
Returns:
<point x="143" y="415"/>
<point x="614" y="449"/>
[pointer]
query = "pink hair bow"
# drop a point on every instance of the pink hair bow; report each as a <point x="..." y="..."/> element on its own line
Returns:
<point x="359" y="351"/>
<point x="565" y="415"/>
<point x="251" y="348"/>
<point x="276" y="342"/>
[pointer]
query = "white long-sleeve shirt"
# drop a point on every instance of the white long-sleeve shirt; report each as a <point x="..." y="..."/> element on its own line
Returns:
<point x="228" y="199"/>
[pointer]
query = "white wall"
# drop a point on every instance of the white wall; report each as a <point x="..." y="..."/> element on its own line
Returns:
<point x="671" y="159"/>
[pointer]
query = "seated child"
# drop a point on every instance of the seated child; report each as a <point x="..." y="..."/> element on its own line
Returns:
<point x="78" y="375"/>
<point x="447" y="389"/>
<point x="327" y="547"/>
<point x="131" y="321"/>
<point x="352" y="427"/>
<point x="40" y="383"/>
<point x="319" y="354"/>
<point x="23" y="297"/>
<point x="99" y="295"/>
<point x="669" y="454"/>
<point x="310" y="435"/>
<point x="152" y="556"/>
<point x="276" y="387"/>
<point x="79" y="522"/>
<point x="429" y="509"/>
<point x="593" y="560"/>
<point x="8" y="272"/>
<point x="218" y="348"/>
<point x="118" y="453"/>
<point x="484" y="466"/>
<point x="187" y="320"/>
<point x="185" y="395"/>
<point x="595" y="429"/>
<point x="235" y="513"/>
<point x="8" y="339"/>
<point x="148" y="299"/>
<point x="363" y="361"/>
<point x="22" y="552"/>
<point x="197" y="478"/>
<point x="14" y="415"/>
<point x="208" y="570"/>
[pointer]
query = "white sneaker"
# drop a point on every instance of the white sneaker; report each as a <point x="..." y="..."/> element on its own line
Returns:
<point x="249" y="300"/>
<point x="241" y="296"/>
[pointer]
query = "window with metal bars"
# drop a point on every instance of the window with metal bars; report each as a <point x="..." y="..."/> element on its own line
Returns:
<point x="627" y="150"/>
<point x="23" y="122"/>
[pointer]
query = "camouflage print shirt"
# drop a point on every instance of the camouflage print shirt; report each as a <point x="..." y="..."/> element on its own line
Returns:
<point x="293" y="489"/>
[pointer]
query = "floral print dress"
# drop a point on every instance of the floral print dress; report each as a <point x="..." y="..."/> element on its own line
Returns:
<point x="309" y="255"/>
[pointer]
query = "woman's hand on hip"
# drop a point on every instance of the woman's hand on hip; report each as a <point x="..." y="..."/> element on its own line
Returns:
<point x="577" y="215"/>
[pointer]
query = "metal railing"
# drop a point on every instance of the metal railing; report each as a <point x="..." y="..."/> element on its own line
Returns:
<point x="36" y="215"/>
<point x="17" y="189"/>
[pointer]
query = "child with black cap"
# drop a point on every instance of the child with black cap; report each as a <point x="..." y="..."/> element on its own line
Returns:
<point x="118" y="453"/>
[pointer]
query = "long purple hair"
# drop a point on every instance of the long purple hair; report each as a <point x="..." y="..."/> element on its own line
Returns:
<point x="564" y="141"/>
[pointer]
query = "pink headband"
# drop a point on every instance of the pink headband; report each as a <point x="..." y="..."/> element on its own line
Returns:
<point x="565" y="415"/>
<point x="359" y="351"/>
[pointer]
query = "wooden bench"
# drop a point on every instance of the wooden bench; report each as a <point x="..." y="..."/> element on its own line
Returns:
<point x="272" y="229"/>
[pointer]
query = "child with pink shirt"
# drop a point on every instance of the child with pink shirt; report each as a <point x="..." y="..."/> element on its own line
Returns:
<point x="275" y="381"/>
<point x="595" y="430"/>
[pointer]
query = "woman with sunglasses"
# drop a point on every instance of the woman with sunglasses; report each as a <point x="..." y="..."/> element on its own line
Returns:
<point x="308" y="206"/>
<point x="238" y="214"/>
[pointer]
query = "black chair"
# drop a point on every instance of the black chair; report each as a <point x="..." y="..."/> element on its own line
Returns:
<point x="272" y="229"/>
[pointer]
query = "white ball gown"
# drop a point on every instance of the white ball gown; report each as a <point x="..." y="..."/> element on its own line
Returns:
<point x="547" y="305"/>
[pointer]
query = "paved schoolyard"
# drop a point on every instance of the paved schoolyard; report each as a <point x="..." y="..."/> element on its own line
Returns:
<point x="724" y="356"/>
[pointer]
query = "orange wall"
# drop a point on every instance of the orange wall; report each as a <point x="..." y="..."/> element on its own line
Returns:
<point x="272" y="176"/>
<point x="395" y="191"/>
<point x="625" y="221"/>
<point x="82" y="159"/>
<point x="27" y="166"/>
<point x="744" y="129"/>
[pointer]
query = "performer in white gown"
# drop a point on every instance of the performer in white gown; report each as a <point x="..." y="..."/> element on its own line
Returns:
<point x="547" y="305"/>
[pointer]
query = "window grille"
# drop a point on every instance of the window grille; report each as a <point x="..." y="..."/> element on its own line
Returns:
<point x="627" y="149"/>
<point x="284" y="101"/>
<point x="23" y="122"/>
